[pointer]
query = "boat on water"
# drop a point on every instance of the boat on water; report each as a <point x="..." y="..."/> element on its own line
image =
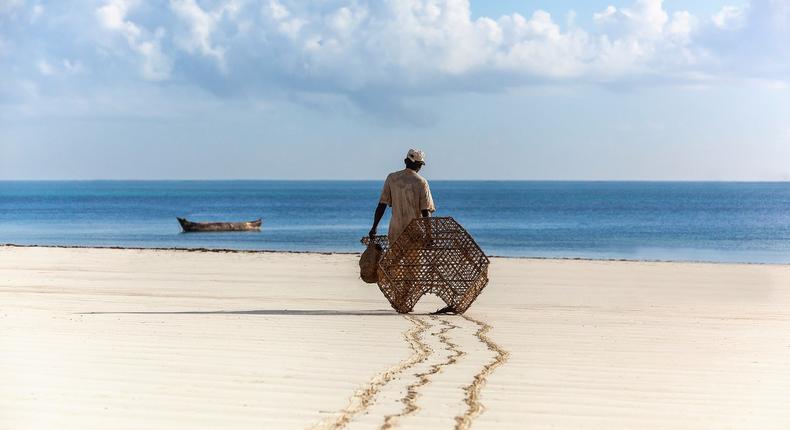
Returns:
<point x="190" y="226"/>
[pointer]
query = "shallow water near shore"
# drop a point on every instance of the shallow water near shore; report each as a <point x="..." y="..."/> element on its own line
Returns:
<point x="700" y="221"/>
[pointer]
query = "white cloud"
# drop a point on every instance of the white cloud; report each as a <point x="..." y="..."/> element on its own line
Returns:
<point x="73" y="67"/>
<point x="730" y="17"/>
<point x="349" y="46"/>
<point x="286" y="25"/>
<point x="682" y="26"/>
<point x="65" y="68"/>
<point x="537" y="46"/>
<point x="45" y="68"/>
<point x="37" y="11"/>
<point x="411" y="41"/>
<point x="369" y="52"/>
<point x="113" y="16"/>
<point x="276" y="10"/>
<point x="156" y="66"/>
<point x="201" y="25"/>
<point x="291" y="27"/>
<point x="605" y="15"/>
<point x="647" y="18"/>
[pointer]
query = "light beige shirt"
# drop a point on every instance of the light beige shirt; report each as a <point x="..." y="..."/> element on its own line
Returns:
<point x="408" y="194"/>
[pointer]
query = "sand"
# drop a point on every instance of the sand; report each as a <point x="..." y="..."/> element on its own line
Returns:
<point x="145" y="339"/>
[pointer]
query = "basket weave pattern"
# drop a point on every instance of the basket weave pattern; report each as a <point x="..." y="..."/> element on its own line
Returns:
<point x="433" y="255"/>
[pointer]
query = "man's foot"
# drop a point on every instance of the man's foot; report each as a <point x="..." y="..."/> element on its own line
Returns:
<point x="445" y="310"/>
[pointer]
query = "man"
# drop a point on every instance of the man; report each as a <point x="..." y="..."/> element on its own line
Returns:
<point x="409" y="196"/>
<point x="407" y="193"/>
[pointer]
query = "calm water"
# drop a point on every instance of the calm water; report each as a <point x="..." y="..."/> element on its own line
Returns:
<point x="744" y="222"/>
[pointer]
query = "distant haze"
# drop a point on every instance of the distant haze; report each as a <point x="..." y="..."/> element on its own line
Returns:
<point x="238" y="89"/>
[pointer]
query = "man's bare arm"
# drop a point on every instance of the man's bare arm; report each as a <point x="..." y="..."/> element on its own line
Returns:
<point x="377" y="217"/>
<point x="428" y="232"/>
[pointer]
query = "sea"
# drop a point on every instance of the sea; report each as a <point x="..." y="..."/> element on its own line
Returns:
<point x="746" y="222"/>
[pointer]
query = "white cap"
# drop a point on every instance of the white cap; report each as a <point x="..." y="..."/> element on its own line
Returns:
<point x="416" y="155"/>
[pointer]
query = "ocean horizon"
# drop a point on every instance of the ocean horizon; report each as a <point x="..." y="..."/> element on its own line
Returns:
<point x="715" y="221"/>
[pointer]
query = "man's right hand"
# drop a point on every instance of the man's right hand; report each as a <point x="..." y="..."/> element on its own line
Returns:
<point x="372" y="233"/>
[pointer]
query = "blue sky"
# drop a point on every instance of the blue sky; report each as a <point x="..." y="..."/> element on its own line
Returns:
<point x="340" y="89"/>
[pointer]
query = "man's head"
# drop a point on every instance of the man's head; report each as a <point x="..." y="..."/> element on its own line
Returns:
<point x="415" y="159"/>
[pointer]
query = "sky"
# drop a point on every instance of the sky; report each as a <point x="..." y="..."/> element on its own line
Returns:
<point x="341" y="89"/>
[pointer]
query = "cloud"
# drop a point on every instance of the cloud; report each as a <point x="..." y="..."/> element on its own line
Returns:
<point x="647" y="18"/>
<point x="73" y="67"/>
<point x="368" y="52"/>
<point x="66" y="67"/>
<point x="281" y="16"/>
<point x="155" y="66"/>
<point x="45" y="68"/>
<point x="605" y="15"/>
<point x="415" y="45"/>
<point x="200" y="26"/>
<point x="749" y="42"/>
<point x="730" y="17"/>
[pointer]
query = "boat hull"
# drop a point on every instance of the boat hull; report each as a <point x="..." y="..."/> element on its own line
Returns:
<point x="189" y="226"/>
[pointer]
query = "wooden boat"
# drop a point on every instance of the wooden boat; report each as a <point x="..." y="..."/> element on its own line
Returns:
<point x="190" y="226"/>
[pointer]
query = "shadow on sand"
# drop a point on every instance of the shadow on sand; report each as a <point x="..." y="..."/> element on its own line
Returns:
<point x="315" y="312"/>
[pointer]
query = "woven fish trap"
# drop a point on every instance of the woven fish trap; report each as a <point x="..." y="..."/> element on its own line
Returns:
<point x="433" y="255"/>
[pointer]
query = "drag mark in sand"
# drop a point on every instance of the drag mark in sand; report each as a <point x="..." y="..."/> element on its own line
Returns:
<point x="474" y="406"/>
<point x="452" y="347"/>
<point x="365" y="397"/>
<point x="410" y="399"/>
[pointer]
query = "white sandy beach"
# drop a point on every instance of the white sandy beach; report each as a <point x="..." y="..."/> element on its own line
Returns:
<point x="145" y="339"/>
